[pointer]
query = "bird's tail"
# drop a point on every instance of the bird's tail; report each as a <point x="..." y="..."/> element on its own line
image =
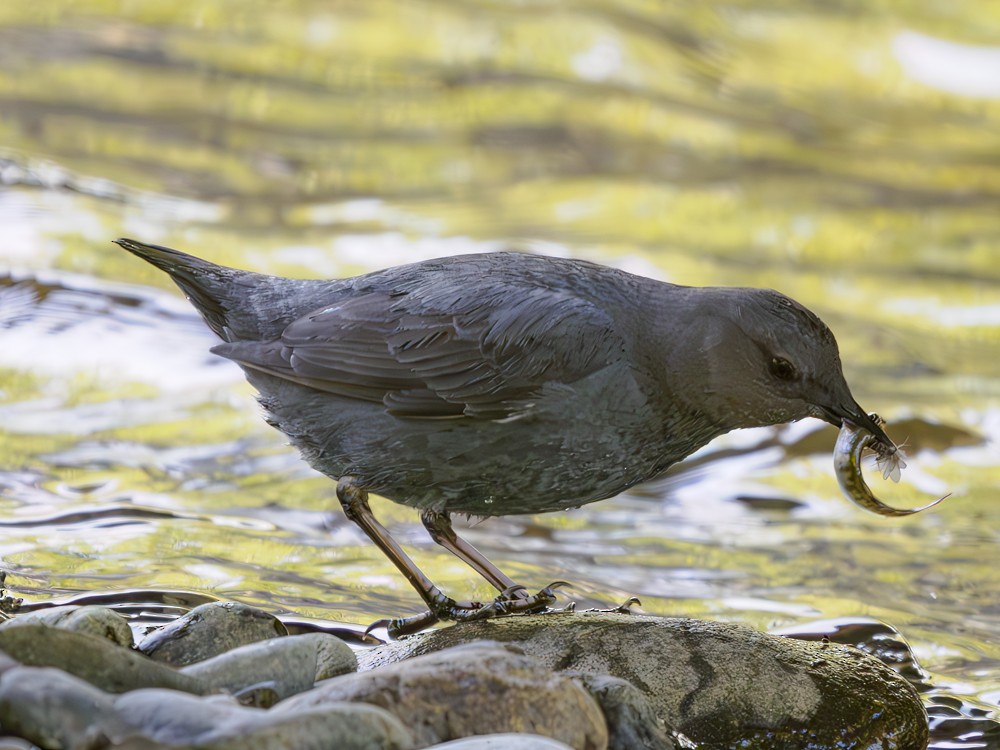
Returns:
<point x="207" y="285"/>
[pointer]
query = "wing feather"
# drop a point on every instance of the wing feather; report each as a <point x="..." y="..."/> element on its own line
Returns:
<point x="425" y="353"/>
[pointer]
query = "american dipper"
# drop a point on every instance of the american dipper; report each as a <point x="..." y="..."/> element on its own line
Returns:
<point x="505" y="383"/>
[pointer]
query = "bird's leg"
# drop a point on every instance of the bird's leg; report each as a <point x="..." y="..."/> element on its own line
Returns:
<point x="354" y="500"/>
<point x="438" y="525"/>
<point x="513" y="597"/>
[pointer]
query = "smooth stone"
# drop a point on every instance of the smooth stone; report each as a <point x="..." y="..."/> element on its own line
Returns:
<point x="7" y="662"/>
<point x="721" y="685"/>
<point x="281" y="666"/>
<point x="55" y="710"/>
<point x="209" y="630"/>
<point x="504" y="741"/>
<point x="51" y="708"/>
<point x="219" y="723"/>
<point x="173" y="717"/>
<point x="93" y="659"/>
<point x="12" y="743"/>
<point x="631" y="718"/>
<point x="469" y="690"/>
<point x="102" y="622"/>
<point x="347" y="726"/>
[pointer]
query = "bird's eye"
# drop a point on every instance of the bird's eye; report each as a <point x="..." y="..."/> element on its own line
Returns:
<point x="782" y="369"/>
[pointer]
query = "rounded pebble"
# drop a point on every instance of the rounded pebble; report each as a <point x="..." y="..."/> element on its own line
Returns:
<point x="49" y="707"/>
<point x="282" y="666"/>
<point x="210" y="630"/>
<point x="219" y="723"/>
<point x="96" y="660"/>
<point x="477" y="688"/>
<point x="101" y="622"/>
<point x="503" y="742"/>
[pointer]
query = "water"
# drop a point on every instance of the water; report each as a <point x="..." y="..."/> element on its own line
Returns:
<point x="845" y="154"/>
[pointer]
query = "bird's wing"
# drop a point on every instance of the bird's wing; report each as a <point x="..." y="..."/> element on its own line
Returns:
<point x="428" y="353"/>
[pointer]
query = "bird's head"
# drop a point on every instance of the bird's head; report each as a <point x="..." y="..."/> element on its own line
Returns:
<point x="768" y="360"/>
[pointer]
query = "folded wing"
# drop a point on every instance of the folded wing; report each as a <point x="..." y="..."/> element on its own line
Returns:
<point x="428" y="353"/>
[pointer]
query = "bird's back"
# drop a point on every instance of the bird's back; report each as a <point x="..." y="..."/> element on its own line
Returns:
<point x="492" y="383"/>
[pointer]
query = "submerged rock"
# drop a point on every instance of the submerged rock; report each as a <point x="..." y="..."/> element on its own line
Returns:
<point x="722" y="685"/>
<point x="476" y="688"/>
<point x="210" y="630"/>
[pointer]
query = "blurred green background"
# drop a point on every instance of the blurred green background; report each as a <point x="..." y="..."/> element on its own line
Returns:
<point x="845" y="152"/>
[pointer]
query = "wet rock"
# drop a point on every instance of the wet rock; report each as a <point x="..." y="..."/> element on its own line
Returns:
<point x="101" y="622"/>
<point x="210" y="630"/>
<point x="56" y="710"/>
<point x="219" y="723"/>
<point x="93" y="659"/>
<point x="12" y="743"/>
<point x="136" y="743"/>
<point x="473" y="689"/>
<point x="721" y="685"/>
<point x="7" y="662"/>
<point x="503" y="742"/>
<point x="51" y="708"/>
<point x="631" y="718"/>
<point x="281" y="666"/>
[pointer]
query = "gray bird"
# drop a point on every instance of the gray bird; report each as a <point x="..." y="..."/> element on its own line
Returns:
<point x="505" y="383"/>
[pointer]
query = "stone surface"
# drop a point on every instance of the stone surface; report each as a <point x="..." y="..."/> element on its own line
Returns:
<point x="283" y="666"/>
<point x="96" y="660"/>
<point x="478" y="688"/>
<point x="7" y="662"/>
<point x="219" y="723"/>
<point x="503" y="742"/>
<point x="631" y="719"/>
<point x="210" y="630"/>
<point x="56" y="710"/>
<point x="102" y="622"/>
<point x="588" y="680"/>
<point x="719" y="684"/>
<point x="51" y="708"/>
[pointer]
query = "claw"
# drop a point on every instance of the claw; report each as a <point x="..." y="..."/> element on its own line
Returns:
<point x="400" y="626"/>
<point x="512" y="600"/>
<point x="510" y="591"/>
<point x="549" y="591"/>
<point x="383" y="623"/>
<point x="625" y="608"/>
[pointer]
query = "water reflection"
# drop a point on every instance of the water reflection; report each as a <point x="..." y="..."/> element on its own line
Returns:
<point x="818" y="153"/>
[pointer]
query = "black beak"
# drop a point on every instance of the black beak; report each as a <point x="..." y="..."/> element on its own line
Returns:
<point x="857" y="416"/>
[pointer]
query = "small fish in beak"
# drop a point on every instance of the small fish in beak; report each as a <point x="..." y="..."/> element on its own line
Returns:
<point x="851" y="443"/>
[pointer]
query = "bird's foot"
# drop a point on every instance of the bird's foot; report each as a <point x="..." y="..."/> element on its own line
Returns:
<point x="397" y="627"/>
<point x="625" y="608"/>
<point x="514" y="600"/>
